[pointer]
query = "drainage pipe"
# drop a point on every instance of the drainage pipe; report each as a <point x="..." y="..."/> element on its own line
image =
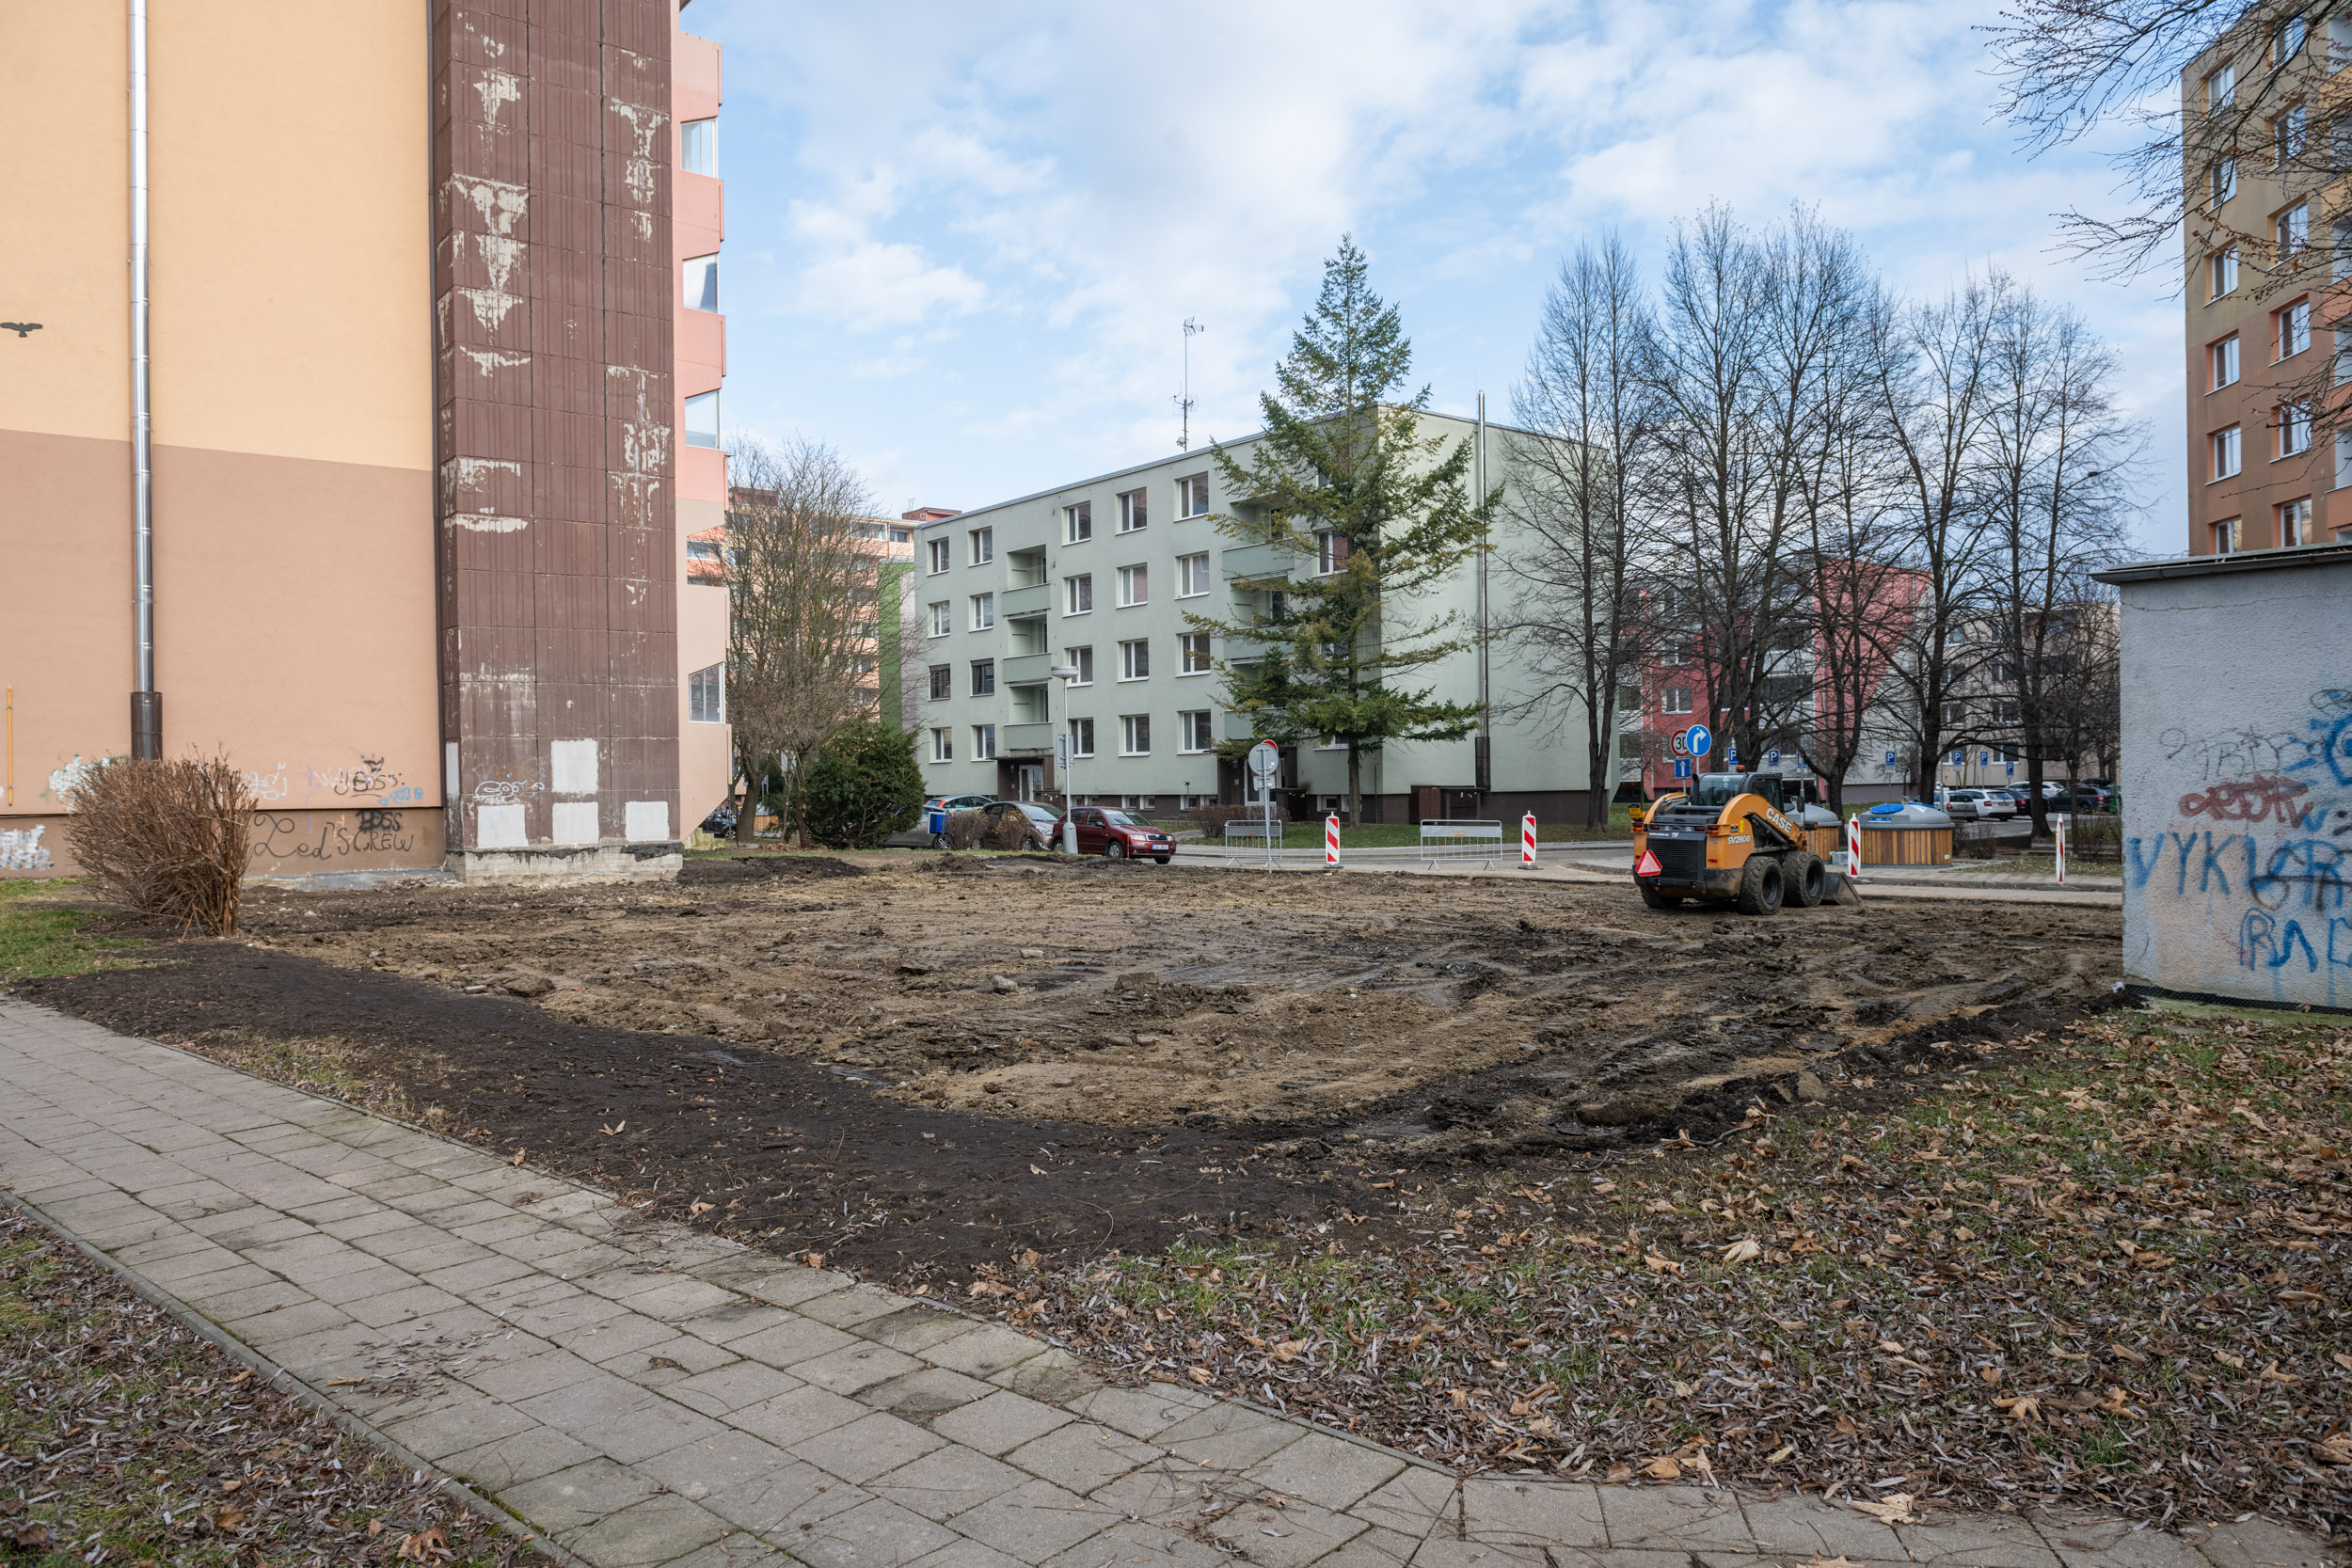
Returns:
<point x="147" y="703"/>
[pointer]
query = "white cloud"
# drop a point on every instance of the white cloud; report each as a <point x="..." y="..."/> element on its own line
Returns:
<point x="1044" y="195"/>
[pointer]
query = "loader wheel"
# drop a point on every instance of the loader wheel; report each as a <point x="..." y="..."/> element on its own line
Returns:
<point x="1805" y="880"/>
<point x="1658" y="900"/>
<point x="1761" y="886"/>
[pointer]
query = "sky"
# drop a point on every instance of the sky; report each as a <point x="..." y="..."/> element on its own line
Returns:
<point x="962" y="240"/>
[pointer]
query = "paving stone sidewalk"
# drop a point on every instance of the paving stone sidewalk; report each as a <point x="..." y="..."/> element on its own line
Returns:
<point x="639" y="1393"/>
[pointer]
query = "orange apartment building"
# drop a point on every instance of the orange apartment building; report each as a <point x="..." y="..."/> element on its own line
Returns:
<point x="361" y="398"/>
<point x="2262" y="472"/>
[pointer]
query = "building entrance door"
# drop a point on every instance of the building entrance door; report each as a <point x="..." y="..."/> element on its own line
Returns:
<point x="1029" y="781"/>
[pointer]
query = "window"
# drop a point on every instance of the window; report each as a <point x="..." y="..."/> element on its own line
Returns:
<point x="706" y="696"/>
<point x="2224" y="356"/>
<point x="942" y="556"/>
<point x="1135" y="585"/>
<point x="984" y="677"/>
<point x="1676" y="651"/>
<point x="1134" y="734"/>
<point x="902" y="536"/>
<point x="943" y="745"/>
<point x="700" y="289"/>
<point x="1131" y="511"/>
<point x="698" y="146"/>
<point x="2286" y="135"/>
<point x="1198" y="735"/>
<point x="1331" y="553"/>
<point x="1082" y="738"/>
<point x="1192" y="575"/>
<point x="983" y="545"/>
<point x="941" y="622"/>
<point x="943" y="682"/>
<point x="2225" y="452"/>
<point x="1955" y="715"/>
<point x="1078" y="522"/>
<point x="1195" y="659"/>
<point x="983" y="611"/>
<point x="1192" y="497"/>
<point x="2294" y="228"/>
<point x="983" y="743"/>
<point x="2221" y="89"/>
<point x="2295" y="328"/>
<point x="2225" y="537"/>
<point x="1134" y="660"/>
<point x="2339" y="42"/>
<point x="701" y="549"/>
<point x="2005" y="710"/>
<point x="2294" y="522"/>
<point x="2221" y="181"/>
<point x="702" y="420"/>
<point x="1078" y="598"/>
<point x="2224" y="269"/>
<point x="1677" y="699"/>
<point x="2344" y="458"/>
<point x="2288" y="42"/>
<point x="2295" y="428"/>
<point x="1082" y="660"/>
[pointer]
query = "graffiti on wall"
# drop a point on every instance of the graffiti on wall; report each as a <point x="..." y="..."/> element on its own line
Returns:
<point x="367" y="780"/>
<point x="2262" y="842"/>
<point x="21" y="851"/>
<point x="279" y="836"/>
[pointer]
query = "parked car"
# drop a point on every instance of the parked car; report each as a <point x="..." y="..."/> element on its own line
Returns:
<point x="1044" y="823"/>
<point x="950" y="804"/>
<point x="1977" y="805"/>
<point x="720" y="823"/>
<point x="1104" y="832"/>
<point x="2092" y="796"/>
<point x="2013" y="794"/>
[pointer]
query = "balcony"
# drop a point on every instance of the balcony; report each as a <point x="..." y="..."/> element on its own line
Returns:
<point x="1035" y="599"/>
<point x="1238" y="727"/>
<point x="1259" y="560"/>
<point x="1023" y="740"/>
<point x="1024" y="669"/>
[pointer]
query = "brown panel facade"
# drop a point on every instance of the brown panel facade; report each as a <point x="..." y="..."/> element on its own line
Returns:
<point x="553" y="289"/>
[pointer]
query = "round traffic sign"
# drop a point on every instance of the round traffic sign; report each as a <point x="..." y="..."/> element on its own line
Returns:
<point x="1265" y="757"/>
<point x="1681" y="747"/>
<point x="1699" y="739"/>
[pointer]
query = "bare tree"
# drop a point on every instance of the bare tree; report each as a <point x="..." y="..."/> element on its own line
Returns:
<point x="1936" y="373"/>
<point x="2053" y="479"/>
<point x="1582" y="533"/>
<point x="808" y="643"/>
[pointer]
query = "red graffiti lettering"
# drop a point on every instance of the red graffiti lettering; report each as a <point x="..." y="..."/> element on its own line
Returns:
<point x="2252" y="801"/>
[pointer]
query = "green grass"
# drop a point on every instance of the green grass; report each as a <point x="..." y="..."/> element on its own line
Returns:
<point x="39" y="938"/>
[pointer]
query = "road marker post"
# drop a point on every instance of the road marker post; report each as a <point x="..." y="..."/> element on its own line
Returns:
<point x="1853" y="849"/>
<point x="2057" y="833"/>
<point x="1527" y="842"/>
<point x="1332" y="840"/>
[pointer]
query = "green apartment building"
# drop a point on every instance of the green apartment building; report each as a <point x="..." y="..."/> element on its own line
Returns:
<point x="1101" y="575"/>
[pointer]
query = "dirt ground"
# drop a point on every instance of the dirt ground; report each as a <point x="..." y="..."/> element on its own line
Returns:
<point x="1396" y="1008"/>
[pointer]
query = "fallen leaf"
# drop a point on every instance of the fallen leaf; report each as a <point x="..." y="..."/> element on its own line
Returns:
<point x="230" y="1517"/>
<point x="1620" y="1472"/>
<point x="2024" y="1408"/>
<point x="1787" y="1450"/>
<point x="1660" y="1265"/>
<point x="1036" y="1171"/>
<point x="814" y="1260"/>
<point x="615" y="1129"/>
<point x="1199" y="1374"/>
<point x="1894" y="1509"/>
<point x="1745" y="1250"/>
<point x="1288" y="1349"/>
<point x="30" y="1536"/>
<point x="518" y="1157"/>
<point x="1027" y="1257"/>
<point x="1846" y="1426"/>
<point x="1662" y="1468"/>
<point x="2227" y="1360"/>
<point x="665" y="1361"/>
<point x="698" y="1207"/>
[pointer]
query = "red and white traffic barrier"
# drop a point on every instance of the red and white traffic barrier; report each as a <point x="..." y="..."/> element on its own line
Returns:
<point x="1332" y="840"/>
<point x="1527" y="842"/>
<point x="2057" y="833"/>
<point x="1853" y="848"/>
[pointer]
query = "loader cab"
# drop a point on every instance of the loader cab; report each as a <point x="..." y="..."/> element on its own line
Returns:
<point x="1717" y="790"/>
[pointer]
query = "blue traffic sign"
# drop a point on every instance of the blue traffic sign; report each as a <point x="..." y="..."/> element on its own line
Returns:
<point x="1771" y="758"/>
<point x="1699" y="739"/>
<point x="1683" y="768"/>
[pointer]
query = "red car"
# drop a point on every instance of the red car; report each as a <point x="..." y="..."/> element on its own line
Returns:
<point x="1104" y="832"/>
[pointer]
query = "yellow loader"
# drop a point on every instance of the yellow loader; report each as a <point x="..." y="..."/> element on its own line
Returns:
<point x="1733" y="838"/>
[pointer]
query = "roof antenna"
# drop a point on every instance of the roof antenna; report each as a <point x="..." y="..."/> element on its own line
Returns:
<point x="1184" y="402"/>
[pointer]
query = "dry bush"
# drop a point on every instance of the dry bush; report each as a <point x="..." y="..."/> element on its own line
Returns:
<point x="1009" y="830"/>
<point x="165" y="839"/>
<point x="966" y="830"/>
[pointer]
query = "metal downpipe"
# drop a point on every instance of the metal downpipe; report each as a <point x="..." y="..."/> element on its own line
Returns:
<point x="147" y="703"/>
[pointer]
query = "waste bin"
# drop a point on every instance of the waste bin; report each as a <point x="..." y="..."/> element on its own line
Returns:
<point x="1904" y="832"/>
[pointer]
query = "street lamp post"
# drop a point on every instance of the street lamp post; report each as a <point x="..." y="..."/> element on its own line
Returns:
<point x="1065" y="752"/>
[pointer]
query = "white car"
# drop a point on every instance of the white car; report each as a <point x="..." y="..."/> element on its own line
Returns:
<point x="1977" y="805"/>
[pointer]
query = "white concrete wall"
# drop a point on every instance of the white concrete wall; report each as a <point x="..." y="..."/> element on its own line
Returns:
<point x="2237" y="783"/>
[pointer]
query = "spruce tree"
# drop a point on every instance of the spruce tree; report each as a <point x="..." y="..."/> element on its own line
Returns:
<point x="1366" y="514"/>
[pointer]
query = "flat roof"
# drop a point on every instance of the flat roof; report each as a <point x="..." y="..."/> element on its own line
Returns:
<point x="2283" y="559"/>
<point x="1180" y="457"/>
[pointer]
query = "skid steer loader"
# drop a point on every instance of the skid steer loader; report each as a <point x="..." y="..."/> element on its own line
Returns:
<point x="1734" y="838"/>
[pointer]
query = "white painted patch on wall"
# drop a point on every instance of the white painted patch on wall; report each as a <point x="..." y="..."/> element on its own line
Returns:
<point x="497" y="87"/>
<point x="647" y="821"/>
<point x="501" y="828"/>
<point x="573" y="764"/>
<point x="21" y="851"/>
<point x="449" y="770"/>
<point x="483" y="522"/>
<point x="575" y="822"/>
